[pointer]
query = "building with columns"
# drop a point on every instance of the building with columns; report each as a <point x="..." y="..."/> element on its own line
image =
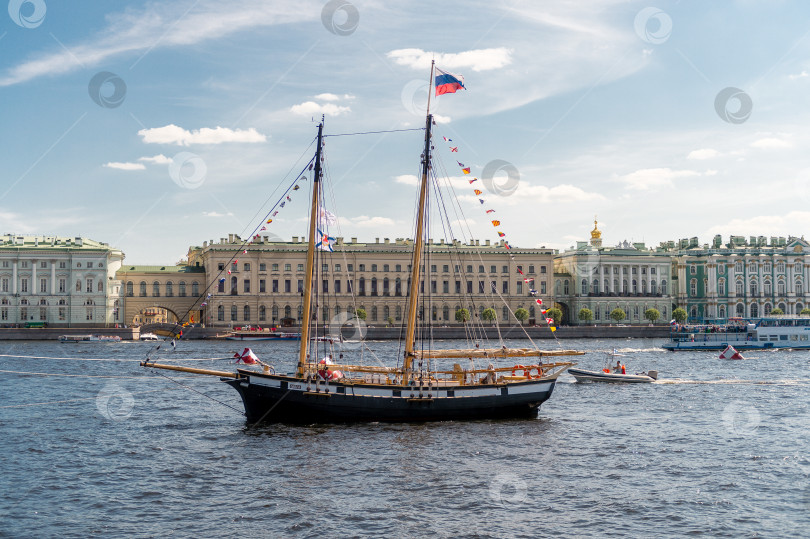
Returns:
<point x="170" y="293"/>
<point x="261" y="282"/>
<point x="742" y="278"/>
<point x="628" y="276"/>
<point x="59" y="282"/>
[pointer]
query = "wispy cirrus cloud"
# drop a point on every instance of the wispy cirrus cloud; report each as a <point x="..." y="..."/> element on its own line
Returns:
<point x="160" y="24"/>
<point x="172" y="134"/>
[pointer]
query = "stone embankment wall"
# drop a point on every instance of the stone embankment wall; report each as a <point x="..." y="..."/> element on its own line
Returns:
<point x="372" y="333"/>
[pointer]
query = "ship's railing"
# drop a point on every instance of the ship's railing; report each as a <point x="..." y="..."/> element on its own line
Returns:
<point x="710" y="337"/>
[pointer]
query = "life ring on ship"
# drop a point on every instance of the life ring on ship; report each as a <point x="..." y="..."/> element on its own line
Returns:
<point x="521" y="368"/>
<point x="539" y="370"/>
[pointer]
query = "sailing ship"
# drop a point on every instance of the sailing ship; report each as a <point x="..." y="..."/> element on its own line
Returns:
<point x="417" y="387"/>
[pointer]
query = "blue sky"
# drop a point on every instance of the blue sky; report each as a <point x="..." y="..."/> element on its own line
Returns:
<point x="604" y="108"/>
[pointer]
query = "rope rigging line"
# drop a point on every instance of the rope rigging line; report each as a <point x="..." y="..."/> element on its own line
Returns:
<point x="66" y="401"/>
<point x="205" y="294"/>
<point x="493" y="284"/>
<point x="375" y="132"/>
<point x="111" y="359"/>
<point x="174" y="380"/>
<point x="475" y="330"/>
<point x="25" y="373"/>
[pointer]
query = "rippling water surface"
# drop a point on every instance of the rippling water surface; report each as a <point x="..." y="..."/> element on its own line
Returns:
<point x="106" y="448"/>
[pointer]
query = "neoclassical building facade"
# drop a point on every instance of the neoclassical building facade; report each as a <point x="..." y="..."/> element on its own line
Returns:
<point x="743" y="278"/>
<point x="628" y="276"/>
<point x="56" y="281"/>
<point x="163" y="293"/>
<point x="261" y="282"/>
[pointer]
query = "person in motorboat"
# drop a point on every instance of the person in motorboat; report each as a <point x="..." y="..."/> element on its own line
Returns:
<point x="619" y="368"/>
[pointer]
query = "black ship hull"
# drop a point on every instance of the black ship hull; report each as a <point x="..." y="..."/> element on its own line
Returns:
<point x="276" y="398"/>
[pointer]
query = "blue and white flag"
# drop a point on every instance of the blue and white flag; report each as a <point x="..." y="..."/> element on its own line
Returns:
<point x="326" y="242"/>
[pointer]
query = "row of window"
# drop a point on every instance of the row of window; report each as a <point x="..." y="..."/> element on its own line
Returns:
<point x="26" y="313"/>
<point x="62" y="265"/>
<point x="740" y="310"/>
<point x="623" y="269"/>
<point x="753" y="287"/>
<point x="374" y="267"/>
<point x="627" y="287"/>
<point x="753" y="267"/>
<point x="634" y="289"/>
<point x="603" y="312"/>
<point x="25" y="288"/>
<point x="169" y="289"/>
<point x="374" y="287"/>
<point x="335" y="315"/>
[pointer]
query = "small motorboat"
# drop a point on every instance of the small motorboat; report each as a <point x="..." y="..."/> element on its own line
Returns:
<point x="618" y="375"/>
<point x="149" y="337"/>
<point x="731" y="353"/>
<point x="597" y="376"/>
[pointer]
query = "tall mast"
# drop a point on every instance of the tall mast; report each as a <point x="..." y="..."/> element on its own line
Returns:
<point x="413" y="292"/>
<point x="313" y="220"/>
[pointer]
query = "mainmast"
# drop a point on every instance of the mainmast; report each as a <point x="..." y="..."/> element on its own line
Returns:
<point x="413" y="292"/>
<point x="313" y="220"/>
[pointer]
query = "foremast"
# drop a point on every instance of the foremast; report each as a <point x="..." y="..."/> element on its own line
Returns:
<point x="413" y="291"/>
<point x="313" y="221"/>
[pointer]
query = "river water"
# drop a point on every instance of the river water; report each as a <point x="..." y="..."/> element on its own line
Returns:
<point x="107" y="448"/>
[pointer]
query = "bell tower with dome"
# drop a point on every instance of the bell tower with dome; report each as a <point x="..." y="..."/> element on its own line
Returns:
<point x="596" y="235"/>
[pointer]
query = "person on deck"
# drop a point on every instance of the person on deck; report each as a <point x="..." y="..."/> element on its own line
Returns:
<point x="618" y="368"/>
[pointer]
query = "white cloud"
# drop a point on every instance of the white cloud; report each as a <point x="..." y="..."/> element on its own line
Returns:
<point x="558" y="193"/>
<point x="477" y="60"/>
<point x="364" y="221"/>
<point x="704" y="153"/>
<point x="649" y="178"/>
<point x="216" y="214"/>
<point x="770" y="143"/>
<point x="310" y="108"/>
<point x="794" y="223"/>
<point x="463" y="224"/>
<point x="172" y="134"/>
<point x="801" y="75"/>
<point x="710" y="172"/>
<point x="333" y="97"/>
<point x="439" y="119"/>
<point x="407" y="179"/>
<point x="534" y="194"/>
<point x="125" y="166"/>
<point x="156" y="159"/>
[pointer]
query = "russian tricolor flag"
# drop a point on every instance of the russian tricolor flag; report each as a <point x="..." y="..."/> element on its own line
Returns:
<point x="447" y="83"/>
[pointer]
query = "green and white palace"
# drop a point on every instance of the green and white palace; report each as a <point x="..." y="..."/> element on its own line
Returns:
<point x="742" y="278"/>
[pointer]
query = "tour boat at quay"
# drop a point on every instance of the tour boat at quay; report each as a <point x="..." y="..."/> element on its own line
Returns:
<point x="89" y="338"/>
<point x="743" y="334"/>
